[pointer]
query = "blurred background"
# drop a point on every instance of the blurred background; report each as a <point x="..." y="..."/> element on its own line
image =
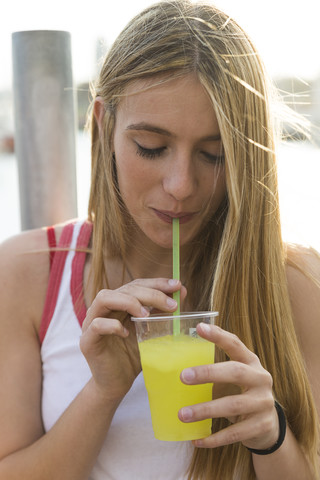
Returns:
<point x="287" y="36"/>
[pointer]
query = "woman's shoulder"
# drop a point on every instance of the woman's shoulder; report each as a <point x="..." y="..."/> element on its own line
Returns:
<point x="28" y="249"/>
<point x="302" y="265"/>
<point x="303" y="275"/>
<point x="31" y="241"/>
<point x="15" y="252"/>
<point x="24" y="270"/>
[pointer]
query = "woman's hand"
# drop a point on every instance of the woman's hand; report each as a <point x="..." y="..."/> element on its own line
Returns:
<point x="108" y="339"/>
<point x="252" y="413"/>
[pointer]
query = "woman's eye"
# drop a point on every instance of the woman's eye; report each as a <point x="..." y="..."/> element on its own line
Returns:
<point x="216" y="159"/>
<point x="149" y="152"/>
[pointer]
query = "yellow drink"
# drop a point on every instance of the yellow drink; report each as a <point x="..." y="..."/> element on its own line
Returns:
<point x="163" y="359"/>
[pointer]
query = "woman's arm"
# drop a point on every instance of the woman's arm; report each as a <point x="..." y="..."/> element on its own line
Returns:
<point x="69" y="450"/>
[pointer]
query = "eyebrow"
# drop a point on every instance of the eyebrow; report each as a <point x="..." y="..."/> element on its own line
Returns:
<point x="161" y="131"/>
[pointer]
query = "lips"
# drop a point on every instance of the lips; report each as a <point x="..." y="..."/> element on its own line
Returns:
<point x="167" y="216"/>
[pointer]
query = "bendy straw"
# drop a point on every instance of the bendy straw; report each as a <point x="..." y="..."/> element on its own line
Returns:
<point x="176" y="272"/>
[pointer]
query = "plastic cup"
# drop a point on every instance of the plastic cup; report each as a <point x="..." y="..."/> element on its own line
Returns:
<point x="163" y="357"/>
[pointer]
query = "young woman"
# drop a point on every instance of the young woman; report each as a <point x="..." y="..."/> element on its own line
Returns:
<point x="181" y="127"/>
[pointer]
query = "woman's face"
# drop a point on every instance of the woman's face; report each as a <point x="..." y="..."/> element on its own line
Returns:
<point x="169" y="157"/>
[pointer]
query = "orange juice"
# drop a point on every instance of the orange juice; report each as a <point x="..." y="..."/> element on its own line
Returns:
<point x="163" y="359"/>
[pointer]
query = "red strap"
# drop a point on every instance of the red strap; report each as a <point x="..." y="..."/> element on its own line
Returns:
<point x="77" y="272"/>
<point x="55" y="278"/>
<point x="52" y="242"/>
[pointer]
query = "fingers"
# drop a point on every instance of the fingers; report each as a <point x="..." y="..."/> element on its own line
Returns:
<point x="108" y="326"/>
<point x="229" y="342"/>
<point x="252" y="412"/>
<point x="99" y="328"/>
<point x="231" y="372"/>
<point x="134" y="297"/>
<point x="258" y="420"/>
<point x="238" y="432"/>
<point x="257" y="431"/>
<point x="244" y="368"/>
<point x="155" y="294"/>
<point x="226" y="407"/>
<point x="164" y="284"/>
<point x="107" y="301"/>
<point x="154" y="286"/>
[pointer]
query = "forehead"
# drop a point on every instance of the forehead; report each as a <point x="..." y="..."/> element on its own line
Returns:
<point x="181" y="100"/>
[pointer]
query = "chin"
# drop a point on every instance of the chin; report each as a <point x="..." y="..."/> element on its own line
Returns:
<point x="163" y="243"/>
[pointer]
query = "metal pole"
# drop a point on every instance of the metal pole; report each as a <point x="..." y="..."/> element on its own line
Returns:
<point x="44" y="127"/>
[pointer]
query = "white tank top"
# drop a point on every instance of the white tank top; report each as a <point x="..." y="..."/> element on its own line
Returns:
<point x="130" y="451"/>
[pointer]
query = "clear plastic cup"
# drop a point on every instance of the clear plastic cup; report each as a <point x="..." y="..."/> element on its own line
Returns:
<point x="163" y="357"/>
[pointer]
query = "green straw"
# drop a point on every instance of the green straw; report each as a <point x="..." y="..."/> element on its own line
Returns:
<point x="176" y="272"/>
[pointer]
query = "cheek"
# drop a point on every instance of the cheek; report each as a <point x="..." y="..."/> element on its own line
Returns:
<point x="221" y="188"/>
<point x="131" y="178"/>
<point x="216" y="188"/>
<point x="126" y="176"/>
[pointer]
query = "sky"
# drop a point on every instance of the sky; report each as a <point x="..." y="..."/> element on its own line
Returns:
<point x="286" y="32"/>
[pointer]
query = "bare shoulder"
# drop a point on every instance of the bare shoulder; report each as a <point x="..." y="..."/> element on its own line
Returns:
<point x="24" y="269"/>
<point x="303" y="274"/>
<point x="24" y="272"/>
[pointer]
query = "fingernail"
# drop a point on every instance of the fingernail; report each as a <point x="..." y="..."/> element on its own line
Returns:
<point x="144" y="312"/>
<point x="173" y="282"/>
<point x="197" y="443"/>
<point x="171" y="303"/>
<point x="186" y="413"/>
<point x="188" y="375"/>
<point x="205" y="327"/>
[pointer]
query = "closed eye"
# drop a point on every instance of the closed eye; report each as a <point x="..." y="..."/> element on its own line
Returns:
<point x="149" y="152"/>
<point x="157" y="152"/>
<point x="217" y="159"/>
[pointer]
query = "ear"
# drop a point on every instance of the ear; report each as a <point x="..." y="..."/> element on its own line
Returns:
<point x="99" y="111"/>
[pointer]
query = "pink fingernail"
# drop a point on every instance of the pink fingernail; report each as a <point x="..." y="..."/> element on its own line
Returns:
<point x="186" y="413"/>
<point x="171" y="303"/>
<point x="198" y="443"/>
<point x="188" y="375"/>
<point x="205" y="327"/>
<point x="144" y="312"/>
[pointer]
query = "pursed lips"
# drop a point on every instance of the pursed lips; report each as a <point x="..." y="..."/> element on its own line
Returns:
<point x="167" y="215"/>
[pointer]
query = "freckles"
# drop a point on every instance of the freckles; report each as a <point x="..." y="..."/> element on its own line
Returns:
<point x="131" y="179"/>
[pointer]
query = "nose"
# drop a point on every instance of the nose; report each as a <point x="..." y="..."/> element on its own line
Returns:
<point x="179" y="179"/>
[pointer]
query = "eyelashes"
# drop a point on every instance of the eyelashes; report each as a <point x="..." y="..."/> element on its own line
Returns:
<point x="215" y="159"/>
<point x="153" y="153"/>
<point x="150" y="152"/>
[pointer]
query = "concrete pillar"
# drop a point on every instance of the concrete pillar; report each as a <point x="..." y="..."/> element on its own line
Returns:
<point x="45" y="126"/>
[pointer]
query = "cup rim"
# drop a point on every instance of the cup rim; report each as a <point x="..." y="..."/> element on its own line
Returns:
<point x="167" y="316"/>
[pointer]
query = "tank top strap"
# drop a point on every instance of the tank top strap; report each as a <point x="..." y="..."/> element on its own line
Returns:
<point x="56" y="271"/>
<point x="52" y="242"/>
<point x="78" y="263"/>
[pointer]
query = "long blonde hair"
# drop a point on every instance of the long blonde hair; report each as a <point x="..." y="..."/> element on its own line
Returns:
<point x="238" y="263"/>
